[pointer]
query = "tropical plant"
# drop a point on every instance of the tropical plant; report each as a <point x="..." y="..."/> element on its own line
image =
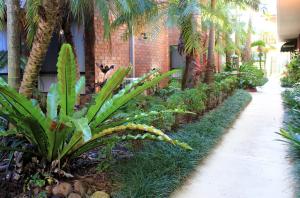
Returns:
<point x="186" y="16"/>
<point x="292" y="74"/>
<point x="250" y="76"/>
<point x="212" y="32"/>
<point x="291" y="133"/>
<point x="260" y="47"/>
<point x="189" y="99"/>
<point x="63" y="133"/>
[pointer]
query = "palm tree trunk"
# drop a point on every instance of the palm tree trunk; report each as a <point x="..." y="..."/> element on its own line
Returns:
<point x="237" y="51"/>
<point x="49" y="17"/>
<point x="89" y="46"/>
<point x="13" y="43"/>
<point x="228" y="52"/>
<point x="209" y="75"/>
<point x="189" y="75"/>
<point x="247" y="53"/>
<point x="228" y="61"/>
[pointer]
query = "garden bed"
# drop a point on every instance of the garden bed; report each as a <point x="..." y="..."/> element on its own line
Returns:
<point x="158" y="169"/>
<point x="291" y="129"/>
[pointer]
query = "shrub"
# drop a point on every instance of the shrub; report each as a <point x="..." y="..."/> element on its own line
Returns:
<point x="250" y="76"/>
<point x="62" y="133"/>
<point x="292" y="74"/>
<point x="291" y="97"/>
<point x="189" y="100"/>
<point x="286" y="81"/>
<point x="164" y="118"/>
<point x="173" y="87"/>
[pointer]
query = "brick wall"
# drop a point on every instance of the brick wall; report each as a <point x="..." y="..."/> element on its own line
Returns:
<point x="113" y="52"/>
<point x="174" y="35"/>
<point x="152" y="53"/>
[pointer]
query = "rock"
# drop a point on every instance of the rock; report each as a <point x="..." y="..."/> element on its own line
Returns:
<point x="74" y="195"/>
<point x="48" y="189"/>
<point x="100" y="194"/>
<point x="36" y="191"/>
<point x="16" y="176"/>
<point x="62" y="189"/>
<point x="79" y="188"/>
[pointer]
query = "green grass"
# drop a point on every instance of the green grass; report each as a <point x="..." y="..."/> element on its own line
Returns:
<point x="158" y="169"/>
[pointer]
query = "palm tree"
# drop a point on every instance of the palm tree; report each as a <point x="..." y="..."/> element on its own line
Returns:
<point x="48" y="15"/>
<point x="261" y="46"/>
<point x="14" y="42"/>
<point x="209" y="76"/>
<point x="186" y="15"/>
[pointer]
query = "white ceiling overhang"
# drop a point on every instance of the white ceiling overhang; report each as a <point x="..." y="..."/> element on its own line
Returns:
<point x="288" y="19"/>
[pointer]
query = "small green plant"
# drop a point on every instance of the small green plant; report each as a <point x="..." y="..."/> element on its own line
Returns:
<point x="62" y="133"/>
<point x="36" y="180"/>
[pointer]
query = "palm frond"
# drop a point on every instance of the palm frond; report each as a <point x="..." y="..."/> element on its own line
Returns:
<point x="82" y="10"/>
<point x="32" y="18"/>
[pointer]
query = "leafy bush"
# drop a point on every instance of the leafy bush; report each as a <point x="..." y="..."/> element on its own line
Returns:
<point x="291" y="99"/>
<point x="250" y="76"/>
<point x="190" y="100"/>
<point x="286" y="81"/>
<point x="292" y="74"/>
<point x="62" y="133"/>
<point x="173" y="87"/>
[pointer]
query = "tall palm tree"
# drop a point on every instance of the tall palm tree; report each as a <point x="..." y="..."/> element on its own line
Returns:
<point x="14" y="42"/>
<point x="186" y="15"/>
<point x="48" y="15"/>
<point x="209" y="76"/>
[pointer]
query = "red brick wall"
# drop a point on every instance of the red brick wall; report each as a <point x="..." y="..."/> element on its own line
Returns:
<point x="149" y="53"/>
<point x="114" y="52"/>
<point x="152" y="53"/>
<point x="174" y="35"/>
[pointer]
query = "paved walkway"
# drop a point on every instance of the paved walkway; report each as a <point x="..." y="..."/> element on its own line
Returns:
<point x="249" y="163"/>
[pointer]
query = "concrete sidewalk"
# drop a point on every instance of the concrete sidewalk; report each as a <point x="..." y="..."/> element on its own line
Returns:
<point x="249" y="163"/>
